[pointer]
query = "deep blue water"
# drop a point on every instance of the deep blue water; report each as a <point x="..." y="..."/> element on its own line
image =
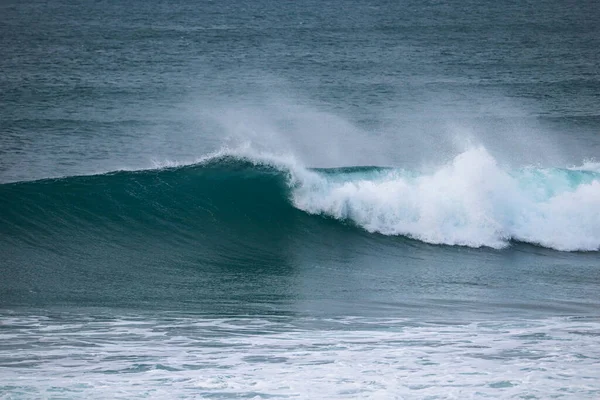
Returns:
<point x="311" y="199"/>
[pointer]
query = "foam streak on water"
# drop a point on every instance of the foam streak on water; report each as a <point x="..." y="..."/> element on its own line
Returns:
<point x="136" y="357"/>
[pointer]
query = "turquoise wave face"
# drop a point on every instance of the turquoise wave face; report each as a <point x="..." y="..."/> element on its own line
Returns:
<point x="178" y="200"/>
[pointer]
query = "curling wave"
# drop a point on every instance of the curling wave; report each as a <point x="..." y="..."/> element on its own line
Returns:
<point x="471" y="201"/>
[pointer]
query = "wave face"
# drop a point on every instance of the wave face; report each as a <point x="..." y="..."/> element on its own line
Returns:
<point x="236" y="198"/>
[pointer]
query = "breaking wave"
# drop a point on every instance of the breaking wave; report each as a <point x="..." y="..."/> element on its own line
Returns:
<point x="472" y="201"/>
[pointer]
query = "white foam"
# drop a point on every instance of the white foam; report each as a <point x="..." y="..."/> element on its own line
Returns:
<point x="260" y="358"/>
<point x="472" y="201"/>
<point x="589" y="165"/>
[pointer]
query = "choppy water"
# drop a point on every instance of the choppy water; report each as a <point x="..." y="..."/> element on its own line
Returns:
<point x="334" y="199"/>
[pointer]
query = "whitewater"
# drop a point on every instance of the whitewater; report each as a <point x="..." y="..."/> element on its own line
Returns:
<point x="471" y="201"/>
<point x="178" y="356"/>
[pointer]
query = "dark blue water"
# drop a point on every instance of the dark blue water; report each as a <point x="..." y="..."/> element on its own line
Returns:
<point x="333" y="199"/>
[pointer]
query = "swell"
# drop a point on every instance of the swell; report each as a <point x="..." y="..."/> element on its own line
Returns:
<point x="231" y="203"/>
<point x="173" y="204"/>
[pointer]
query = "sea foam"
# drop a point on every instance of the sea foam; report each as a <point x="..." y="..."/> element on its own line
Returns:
<point x="471" y="201"/>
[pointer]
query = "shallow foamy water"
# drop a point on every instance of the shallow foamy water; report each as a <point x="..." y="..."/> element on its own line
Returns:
<point x="68" y="356"/>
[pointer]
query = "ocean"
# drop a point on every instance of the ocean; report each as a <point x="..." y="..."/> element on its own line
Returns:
<point x="337" y="199"/>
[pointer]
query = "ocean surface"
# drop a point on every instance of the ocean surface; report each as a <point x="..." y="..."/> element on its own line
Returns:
<point x="337" y="199"/>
